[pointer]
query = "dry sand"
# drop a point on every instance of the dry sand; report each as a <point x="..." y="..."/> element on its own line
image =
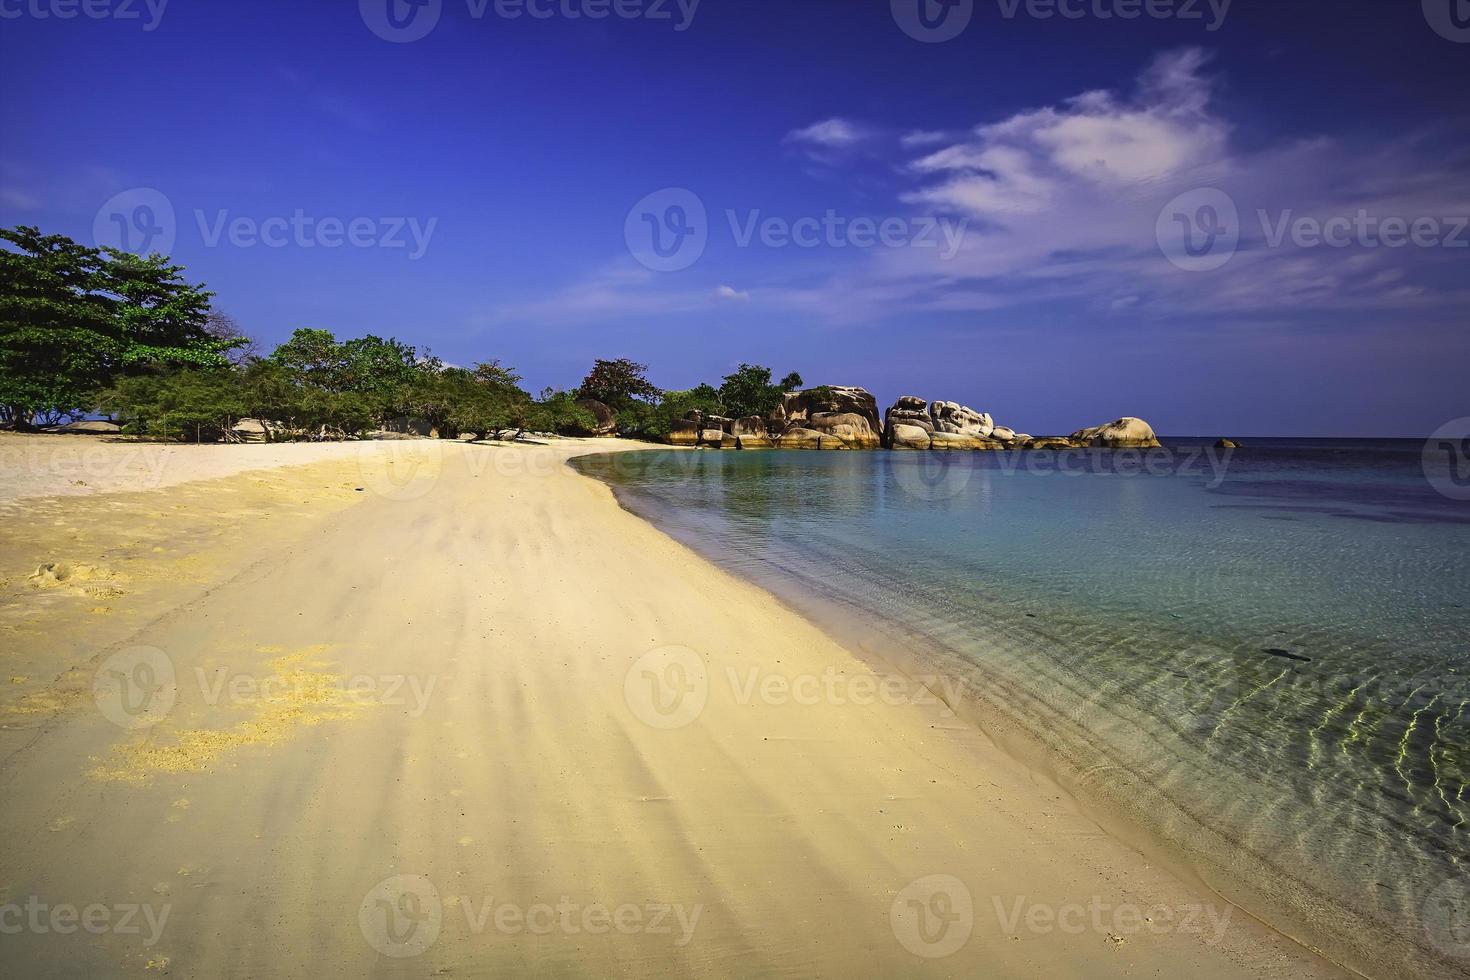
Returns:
<point x="424" y="709"/>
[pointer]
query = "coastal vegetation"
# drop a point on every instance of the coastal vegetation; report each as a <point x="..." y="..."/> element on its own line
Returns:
<point x="95" y="331"/>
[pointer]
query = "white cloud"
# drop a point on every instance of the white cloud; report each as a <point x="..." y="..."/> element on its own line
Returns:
<point x="731" y="294"/>
<point x="922" y="137"/>
<point x="831" y="133"/>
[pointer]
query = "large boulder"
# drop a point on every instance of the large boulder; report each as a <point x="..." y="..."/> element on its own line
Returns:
<point x="751" y="425"/>
<point x="902" y="435"/>
<point x="606" y="416"/>
<point x="717" y="439"/>
<point x="938" y="418"/>
<point x="1052" y="442"/>
<point x="1125" y="433"/>
<point x="800" y="437"/>
<point x="961" y="419"/>
<point x="855" y="430"/>
<point x="684" y="432"/>
<point x="958" y="440"/>
<point x="93" y="427"/>
<point x="802" y="406"/>
<point x="253" y="430"/>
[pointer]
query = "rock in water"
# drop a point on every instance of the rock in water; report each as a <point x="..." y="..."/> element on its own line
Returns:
<point x="684" y="432"/>
<point x="902" y="435"/>
<point x="1227" y="444"/>
<point x="1125" y="433"/>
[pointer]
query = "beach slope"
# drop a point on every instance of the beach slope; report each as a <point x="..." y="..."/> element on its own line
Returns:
<point x="422" y="709"/>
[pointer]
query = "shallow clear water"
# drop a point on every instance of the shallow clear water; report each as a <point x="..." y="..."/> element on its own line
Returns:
<point x="1261" y="658"/>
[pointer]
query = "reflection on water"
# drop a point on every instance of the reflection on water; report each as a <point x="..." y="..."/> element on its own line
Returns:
<point x="1260" y="656"/>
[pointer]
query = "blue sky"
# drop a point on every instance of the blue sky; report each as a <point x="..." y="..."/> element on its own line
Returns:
<point x="497" y="172"/>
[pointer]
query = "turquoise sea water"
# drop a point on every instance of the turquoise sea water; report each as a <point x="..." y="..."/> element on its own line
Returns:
<point x="1259" y="660"/>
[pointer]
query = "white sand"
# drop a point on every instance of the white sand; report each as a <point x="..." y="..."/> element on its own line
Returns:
<point x="568" y="726"/>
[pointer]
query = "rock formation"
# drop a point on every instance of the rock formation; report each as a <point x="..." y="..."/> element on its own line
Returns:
<point x="843" y="417"/>
<point x="606" y="416"/>
<point x="1124" y="433"/>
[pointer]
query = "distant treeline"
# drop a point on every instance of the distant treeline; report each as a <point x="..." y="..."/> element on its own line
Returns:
<point x="86" y="331"/>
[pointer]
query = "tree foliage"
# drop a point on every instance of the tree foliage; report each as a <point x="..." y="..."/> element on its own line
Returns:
<point x="74" y="320"/>
<point x="619" y="384"/>
<point x="749" y="391"/>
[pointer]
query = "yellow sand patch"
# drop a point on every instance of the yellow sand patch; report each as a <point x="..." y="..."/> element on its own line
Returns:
<point x="54" y="574"/>
<point x="297" y="697"/>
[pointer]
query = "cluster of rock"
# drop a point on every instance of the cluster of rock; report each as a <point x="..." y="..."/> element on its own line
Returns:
<point x="847" y="418"/>
<point x="818" y="418"/>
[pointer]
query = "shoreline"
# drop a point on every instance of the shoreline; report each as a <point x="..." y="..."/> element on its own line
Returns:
<point x="1305" y="912"/>
<point x="798" y="828"/>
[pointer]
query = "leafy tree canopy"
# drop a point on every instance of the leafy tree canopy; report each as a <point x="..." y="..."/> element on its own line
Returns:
<point x="75" y="319"/>
<point x="749" y="391"/>
<point x="619" y="384"/>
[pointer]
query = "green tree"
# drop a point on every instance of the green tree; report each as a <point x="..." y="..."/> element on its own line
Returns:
<point x="314" y="359"/>
<point x="486" y="399"/>
<point x="198" y="404"/>
<point x="619" y="384"/>
<point x="657" y="423"/>
<point x="161" y="318"/>
<point x="749" y="391"/>
<point x="558" y="411"/>
<point x="74" y="320"/>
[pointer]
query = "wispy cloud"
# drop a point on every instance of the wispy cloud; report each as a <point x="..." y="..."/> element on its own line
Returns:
<point x="833" y="133"/>
<point x="1063" y="202"/>
<point x="730" y="294"/>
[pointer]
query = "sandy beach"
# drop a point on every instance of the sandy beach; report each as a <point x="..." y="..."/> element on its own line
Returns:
<point x="443" y="709"/>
